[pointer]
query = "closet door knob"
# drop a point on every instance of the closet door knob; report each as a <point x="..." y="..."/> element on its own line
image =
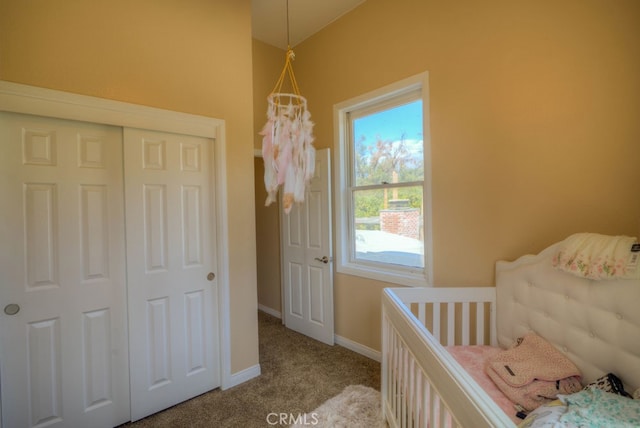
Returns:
<point x="211" y="276"/>
<point x="11" y="309"/>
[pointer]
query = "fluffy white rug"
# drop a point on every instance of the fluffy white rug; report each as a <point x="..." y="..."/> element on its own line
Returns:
<point x="357" y="406"/>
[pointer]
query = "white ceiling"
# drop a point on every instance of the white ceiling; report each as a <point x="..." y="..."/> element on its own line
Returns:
<point x="306" y="17"/>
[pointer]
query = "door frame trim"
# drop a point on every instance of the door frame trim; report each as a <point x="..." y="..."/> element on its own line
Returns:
<point x="19" y="98"/>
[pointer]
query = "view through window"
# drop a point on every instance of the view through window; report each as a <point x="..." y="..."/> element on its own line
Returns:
<point x="387" y="184"/>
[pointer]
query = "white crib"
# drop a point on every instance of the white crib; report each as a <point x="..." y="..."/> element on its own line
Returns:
<point x="595" y="323"/>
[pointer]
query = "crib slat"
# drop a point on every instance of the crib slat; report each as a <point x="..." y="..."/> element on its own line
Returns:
<point x="436" y="321"/>
<point x="426" y="394"/>
<point x="414" y="396"/>
<point x="396" y="376"/>
<point x="398" y="394"/>
<point x="493" y="340"/>
<point x="451" y="324"/>
<point x="422" y="316"/>
<point x="394" y="371"/>
<point x="446" y="417"/>
<point x="433" y="412"/>
<point x="465" y="323"/>
<point x="480" y="324"/>
<point x="417" y="395"/>
<point x="405" y="377"/>
<point x="401" y="403"/>
<point x="407" y="389"/>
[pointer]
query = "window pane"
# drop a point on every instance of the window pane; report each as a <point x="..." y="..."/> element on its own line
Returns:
<point x="388" y="226"/>
<point x="388" y="146"/>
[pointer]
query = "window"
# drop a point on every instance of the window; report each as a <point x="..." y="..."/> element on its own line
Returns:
<point x="383" y="197"/>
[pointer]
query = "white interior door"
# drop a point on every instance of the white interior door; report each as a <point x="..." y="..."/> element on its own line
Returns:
<point x="174" y="352"/>
<point x="307" y="258"/>
<point x="63" y="330"/>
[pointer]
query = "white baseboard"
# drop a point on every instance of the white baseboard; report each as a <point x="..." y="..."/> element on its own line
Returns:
<point x="269" y="311"/>
<point x="359" y="348"/>
<point x="240" y="377"/>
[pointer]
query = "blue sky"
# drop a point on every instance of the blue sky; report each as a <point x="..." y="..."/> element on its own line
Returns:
<point x="390" y="124"/>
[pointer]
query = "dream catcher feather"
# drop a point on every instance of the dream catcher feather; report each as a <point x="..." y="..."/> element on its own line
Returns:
<point x="287" y="141"/>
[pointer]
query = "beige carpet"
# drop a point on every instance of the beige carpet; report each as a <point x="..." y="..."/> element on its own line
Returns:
<point x="357" y="406"/>
<point x="298" y="375"/>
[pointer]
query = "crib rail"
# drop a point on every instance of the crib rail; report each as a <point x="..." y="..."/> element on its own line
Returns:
<point x="454" y="316"/>
<point x="422" y="385"/>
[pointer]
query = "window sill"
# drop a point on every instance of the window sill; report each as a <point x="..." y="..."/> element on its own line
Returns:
<point x="407" y="279"/>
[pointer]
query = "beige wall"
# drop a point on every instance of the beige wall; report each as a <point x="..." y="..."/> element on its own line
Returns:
<point x="193" y="57"/>
<point x="268" y="62"/>
<point x="534" y="123"/>
<point x="267" y="245"/>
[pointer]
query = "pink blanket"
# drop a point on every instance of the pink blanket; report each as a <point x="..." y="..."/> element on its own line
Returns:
<point x="533" y="372"/>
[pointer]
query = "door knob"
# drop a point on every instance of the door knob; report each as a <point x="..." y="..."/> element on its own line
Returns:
<point x="11" y="309"/>
<point x="211" y="276"/>
<point x="324" y="259"/>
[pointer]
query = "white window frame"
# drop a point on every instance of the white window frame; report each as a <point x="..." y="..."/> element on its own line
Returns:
<point x="344" y="261"/>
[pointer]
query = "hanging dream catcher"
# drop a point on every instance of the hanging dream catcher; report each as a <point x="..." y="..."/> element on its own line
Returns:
<point x="287" y="141"/>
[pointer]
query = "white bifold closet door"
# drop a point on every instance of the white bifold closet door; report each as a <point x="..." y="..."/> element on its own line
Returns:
<point x="106" y="317"/>
<point x="170" y="268"/>
<point x="63" y="329"/>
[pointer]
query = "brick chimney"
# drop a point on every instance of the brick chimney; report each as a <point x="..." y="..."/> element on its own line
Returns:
<point x="400" y="219"/>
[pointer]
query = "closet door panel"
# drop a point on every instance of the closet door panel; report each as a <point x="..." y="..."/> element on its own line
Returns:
<point x="170" y="268"/>
<point x="64" y="353"/>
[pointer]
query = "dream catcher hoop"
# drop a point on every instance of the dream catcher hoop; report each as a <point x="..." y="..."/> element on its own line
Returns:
<point x="287" y="140"/>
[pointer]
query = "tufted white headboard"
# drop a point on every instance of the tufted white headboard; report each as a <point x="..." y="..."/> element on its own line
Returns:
<point x="595" y="323"/>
